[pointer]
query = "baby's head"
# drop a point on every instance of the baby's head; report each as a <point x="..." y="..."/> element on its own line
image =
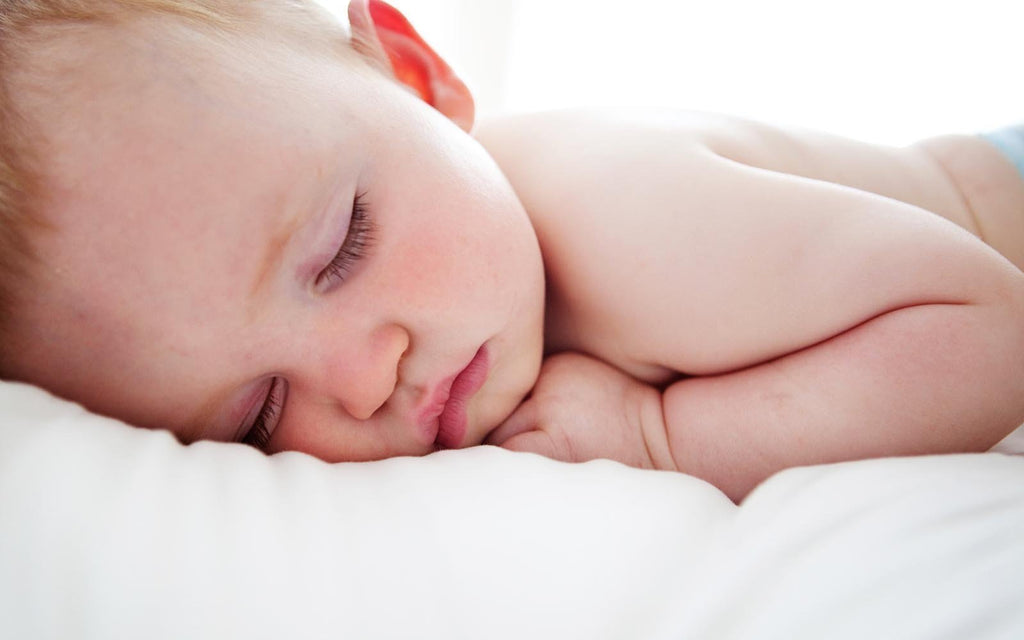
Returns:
<point x="225" y="213"/>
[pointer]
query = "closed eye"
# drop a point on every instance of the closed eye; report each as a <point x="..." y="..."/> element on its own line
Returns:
<point x="258" y="435"/>
<point x="357" y="244"/>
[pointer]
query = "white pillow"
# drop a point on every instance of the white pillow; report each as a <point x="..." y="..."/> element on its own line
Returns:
<point x="112" y="532"/>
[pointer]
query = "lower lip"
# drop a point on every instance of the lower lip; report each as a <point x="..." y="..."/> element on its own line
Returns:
<point x="452" y="423"/>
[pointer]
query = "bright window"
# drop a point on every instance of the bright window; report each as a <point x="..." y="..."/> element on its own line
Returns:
<point x="882" y="70"/>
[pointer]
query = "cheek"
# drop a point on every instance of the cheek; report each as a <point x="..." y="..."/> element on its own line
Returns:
<point x="426" y="264"/>
<point x="459" y="233"/>
<point x="443" y="256"/>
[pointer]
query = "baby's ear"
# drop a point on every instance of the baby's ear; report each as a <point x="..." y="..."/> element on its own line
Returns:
<point x="380" y="32"/>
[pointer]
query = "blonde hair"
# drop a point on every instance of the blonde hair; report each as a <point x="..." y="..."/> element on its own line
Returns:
<point x="26" y="25"/>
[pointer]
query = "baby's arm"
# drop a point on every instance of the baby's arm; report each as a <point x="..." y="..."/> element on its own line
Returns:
<point x="882" y="388"/>
<point x="822" y="323"/>
<point x="886" y="387"/>
<point x="929" y="359"/>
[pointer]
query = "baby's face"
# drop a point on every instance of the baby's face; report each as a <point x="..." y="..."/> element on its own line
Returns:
<point x="281" y="238"/>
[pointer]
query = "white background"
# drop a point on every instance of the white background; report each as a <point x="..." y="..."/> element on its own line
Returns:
<point x="888" y="71"/>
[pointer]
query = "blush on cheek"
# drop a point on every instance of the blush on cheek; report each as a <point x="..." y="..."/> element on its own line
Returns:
<point x="430" y="267"/>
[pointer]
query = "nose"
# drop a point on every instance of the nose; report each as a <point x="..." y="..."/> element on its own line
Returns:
<point x="362" y="379"/>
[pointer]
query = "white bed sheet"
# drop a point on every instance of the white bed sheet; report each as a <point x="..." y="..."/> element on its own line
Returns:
<point x="112" y="532"/>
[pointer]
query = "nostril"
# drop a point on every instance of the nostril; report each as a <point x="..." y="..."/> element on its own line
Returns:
<point x="373" y="385"/>
<point x="400" y="343"/>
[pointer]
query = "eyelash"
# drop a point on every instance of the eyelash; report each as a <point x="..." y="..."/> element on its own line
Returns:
<point x="270" y="413"/>
<point x="357" y="244"/>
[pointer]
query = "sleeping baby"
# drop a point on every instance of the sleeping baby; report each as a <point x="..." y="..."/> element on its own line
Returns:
<point x="240" y="221"/>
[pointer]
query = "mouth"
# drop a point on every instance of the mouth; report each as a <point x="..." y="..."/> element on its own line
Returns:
<point x="448" y="410"/>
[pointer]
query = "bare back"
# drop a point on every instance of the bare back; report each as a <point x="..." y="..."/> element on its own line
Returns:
<point x="684" y="244"/>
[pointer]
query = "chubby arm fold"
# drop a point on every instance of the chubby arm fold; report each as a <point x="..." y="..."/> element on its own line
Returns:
<point x="923" y="350"/>
<point x="923" y="379"/>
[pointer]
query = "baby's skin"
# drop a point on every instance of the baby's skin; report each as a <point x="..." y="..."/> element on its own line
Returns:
<point x="310" y="253"/>
<point x="812" y="286"/>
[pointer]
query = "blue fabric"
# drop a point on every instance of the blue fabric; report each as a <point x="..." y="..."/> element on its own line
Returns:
<point x="1011" y="142"/>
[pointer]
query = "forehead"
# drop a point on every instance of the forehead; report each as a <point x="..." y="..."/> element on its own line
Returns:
<point x="118" y="107"/>
<point x="177" y="136"/>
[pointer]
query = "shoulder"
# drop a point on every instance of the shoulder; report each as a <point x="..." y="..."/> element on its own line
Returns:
<point x="602" y="188"/>
<point x="587" y="143"/>
<point x="583" y="175"/>
<point x="581" y="170"/>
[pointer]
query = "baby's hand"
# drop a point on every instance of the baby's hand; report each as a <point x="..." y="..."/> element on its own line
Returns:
<point x="582" y="409"/>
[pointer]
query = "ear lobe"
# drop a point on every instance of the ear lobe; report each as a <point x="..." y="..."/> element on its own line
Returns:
<point x="383" y="35"/>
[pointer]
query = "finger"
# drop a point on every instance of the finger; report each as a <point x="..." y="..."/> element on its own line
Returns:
<point x="537" y="442"/>
<point x="524" y="418"/>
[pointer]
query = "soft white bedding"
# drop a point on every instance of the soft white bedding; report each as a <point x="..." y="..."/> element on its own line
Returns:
<point x="112" y="532"/>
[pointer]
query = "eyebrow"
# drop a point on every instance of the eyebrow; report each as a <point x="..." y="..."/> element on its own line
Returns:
<point x="300" y="211"/>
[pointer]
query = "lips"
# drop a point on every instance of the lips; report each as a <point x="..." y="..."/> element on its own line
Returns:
<point x="452" y="429"/>
<point x="445" y="416"/>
